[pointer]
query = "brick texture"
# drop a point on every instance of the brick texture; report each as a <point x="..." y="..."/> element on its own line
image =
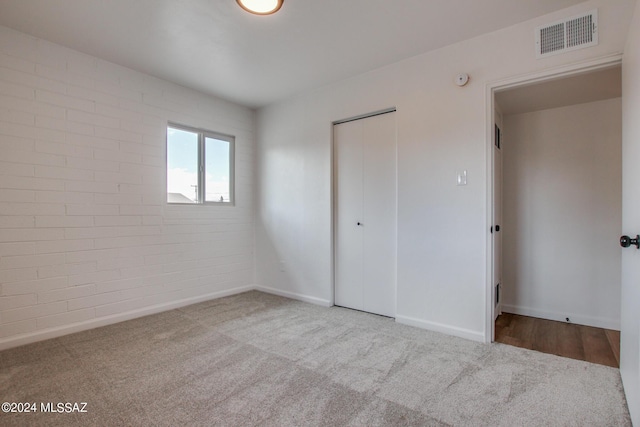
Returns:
<point x="84" y="228"/>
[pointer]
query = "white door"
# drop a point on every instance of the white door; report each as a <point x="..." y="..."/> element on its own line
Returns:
<point x="365" y="249"/>
<point x="348" y="213"/>
<point x="497" y="222"/>
<point x="630" y="308"/>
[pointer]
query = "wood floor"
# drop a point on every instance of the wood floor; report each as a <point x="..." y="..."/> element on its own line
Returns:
<point x="580" y="342"/>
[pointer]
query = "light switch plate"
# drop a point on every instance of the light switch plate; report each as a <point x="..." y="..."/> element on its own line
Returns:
<point x="461" y="177"/>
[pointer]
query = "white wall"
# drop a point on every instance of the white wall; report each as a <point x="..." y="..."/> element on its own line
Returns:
<point x="630" y="333"/>
<point x="442" y="229"/>
<point x="562" y="213"/>
<point x="86" y="237"/>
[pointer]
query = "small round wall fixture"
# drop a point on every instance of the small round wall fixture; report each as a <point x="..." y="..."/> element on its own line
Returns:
<point x="261" y="7"/>
<point x="462" y="79"/>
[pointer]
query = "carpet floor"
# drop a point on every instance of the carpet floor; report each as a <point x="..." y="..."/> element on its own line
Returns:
<point x="260" y="360"/>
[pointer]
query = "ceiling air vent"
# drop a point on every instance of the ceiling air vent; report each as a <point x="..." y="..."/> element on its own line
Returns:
<point x="569" y="34"/>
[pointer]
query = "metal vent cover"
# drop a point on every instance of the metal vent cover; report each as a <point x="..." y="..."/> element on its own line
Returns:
<point x="569" y="34"/>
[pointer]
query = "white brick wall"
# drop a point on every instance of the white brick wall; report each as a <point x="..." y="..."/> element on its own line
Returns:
<point x="84" y="229"/>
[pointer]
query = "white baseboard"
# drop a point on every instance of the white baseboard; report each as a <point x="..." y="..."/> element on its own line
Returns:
<point x="597" y="322"/>
<point x="444" y="329"/>
<point x="45" y="334"/>
<point x="293" y="295"/>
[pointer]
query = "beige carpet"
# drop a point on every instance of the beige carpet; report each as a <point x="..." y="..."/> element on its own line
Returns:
<point x="258" y="359"/>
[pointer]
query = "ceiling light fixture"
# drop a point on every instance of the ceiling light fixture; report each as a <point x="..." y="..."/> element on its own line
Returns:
<point x="261" y="7"/>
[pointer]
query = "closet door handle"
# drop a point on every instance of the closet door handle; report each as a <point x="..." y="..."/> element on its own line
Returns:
<point x="626" y="241"/>
<point x="360" y="224"/>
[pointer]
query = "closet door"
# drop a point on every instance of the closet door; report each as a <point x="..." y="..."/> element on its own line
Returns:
<point x="379" y="214"/>
<point x="349" y="235"/>
<point x="365" y="258"/>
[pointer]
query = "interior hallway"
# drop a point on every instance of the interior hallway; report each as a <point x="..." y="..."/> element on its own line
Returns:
<point x="596" y="345"/>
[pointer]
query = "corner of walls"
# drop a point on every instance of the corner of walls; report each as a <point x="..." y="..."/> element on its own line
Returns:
<point x="256" y="190"/>
<point x="294" y="295"/>
<point x="292" y="225"/>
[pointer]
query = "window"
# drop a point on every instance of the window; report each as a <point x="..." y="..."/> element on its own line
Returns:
<point x="199" y="166"/>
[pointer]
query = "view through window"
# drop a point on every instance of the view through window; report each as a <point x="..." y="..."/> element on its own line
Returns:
<point x="199" y="166"/>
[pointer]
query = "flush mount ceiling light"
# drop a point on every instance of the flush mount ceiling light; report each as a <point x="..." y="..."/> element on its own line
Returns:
<point x="261" y="7"/>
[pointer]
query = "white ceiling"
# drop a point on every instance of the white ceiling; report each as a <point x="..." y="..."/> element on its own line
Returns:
<point x="215" y="47"/>
<point x="578" y="89"/>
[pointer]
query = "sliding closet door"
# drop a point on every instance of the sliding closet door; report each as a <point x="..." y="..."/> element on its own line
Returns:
<point x="379" y="214"/>
<point x="366" y="214"/>
<point x="348" y="244"/>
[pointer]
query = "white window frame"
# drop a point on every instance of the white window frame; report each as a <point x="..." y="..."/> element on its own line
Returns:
<point x="202" y="135"/>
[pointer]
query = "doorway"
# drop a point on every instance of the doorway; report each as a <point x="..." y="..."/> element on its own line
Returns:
<point x="595" y="345"/>
<point x="557" y="202"/>
<point x="365" y="213"/>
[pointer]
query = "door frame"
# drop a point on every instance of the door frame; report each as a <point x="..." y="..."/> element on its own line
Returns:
<point x="491" y="88"/>
<point x="496" y="289"/>
<point x="334" y="204"/>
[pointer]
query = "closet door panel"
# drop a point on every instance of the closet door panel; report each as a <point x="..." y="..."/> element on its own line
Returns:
<point x="348" y="244"/>
<point x="379" y="210"/>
